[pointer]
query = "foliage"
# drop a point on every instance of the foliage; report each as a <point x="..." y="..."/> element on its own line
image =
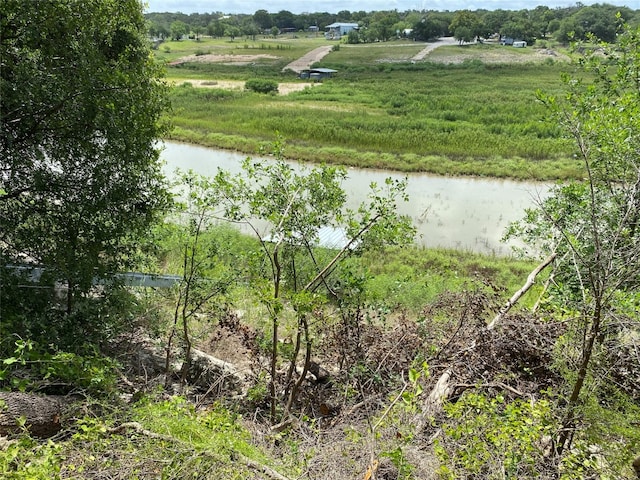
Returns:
<point x="465" y="26"/>
<point x="177" y="442"/>
<point x="35" y="310"/>
<point x="592" y="225"/>
<point x="81" y="103"/>
<point x="296" y="204"/>
<point x="33" y="368"/>
<point x="205" y="277"/>
<point x="261" y="85"/>
<point x="490" y="437"/>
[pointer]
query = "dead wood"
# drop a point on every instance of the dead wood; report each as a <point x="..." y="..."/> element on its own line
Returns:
<point x="531" y="279"/>
<point x="210" y="373"/>
<point x="39" y="414"/>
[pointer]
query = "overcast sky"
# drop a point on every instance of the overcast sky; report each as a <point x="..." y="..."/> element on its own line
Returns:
<point x="334" y="6"/>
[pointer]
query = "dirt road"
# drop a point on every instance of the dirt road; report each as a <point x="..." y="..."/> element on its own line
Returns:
<point x="309" y="59"/>
<point x="432" y="46"/>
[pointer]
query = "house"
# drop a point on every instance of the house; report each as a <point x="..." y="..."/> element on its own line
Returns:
<point x="336" y="30"/>
<point x="519" y="44"/>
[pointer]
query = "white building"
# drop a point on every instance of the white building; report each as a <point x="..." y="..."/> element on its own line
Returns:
<point x="336" y="30"/>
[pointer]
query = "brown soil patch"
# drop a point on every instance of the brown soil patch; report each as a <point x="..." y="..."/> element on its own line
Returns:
<point x="283" y="88"/>
<point x="232" y="59"/>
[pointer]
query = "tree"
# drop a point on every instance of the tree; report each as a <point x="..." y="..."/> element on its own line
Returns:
<point x="204" y="276"/>
<point x="465" y="26"/>
<point x="232" y="31"/>
<point x="80" y="180"/>
<point x="494" y="20"/>
<point x="381" y="27"/>
<point x="426" y="29"/>
<point x="216" y="28"/>
<point x="593" y="226"/>
<point x="284" y="19"/>
<point x="262" y="18"/>
<point x="178" y="30"/>
<point x="296" y="205"/>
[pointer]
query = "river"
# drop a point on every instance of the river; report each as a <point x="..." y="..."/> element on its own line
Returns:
<point x="453" y="212"/>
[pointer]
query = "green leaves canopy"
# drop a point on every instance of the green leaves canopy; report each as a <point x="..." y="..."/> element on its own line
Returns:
<point x="81" y="104"/>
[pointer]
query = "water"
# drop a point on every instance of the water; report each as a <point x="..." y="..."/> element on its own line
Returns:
<point x="453" y="212"/>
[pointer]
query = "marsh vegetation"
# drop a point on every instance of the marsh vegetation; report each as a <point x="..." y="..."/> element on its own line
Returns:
<point x="458" y="117"/>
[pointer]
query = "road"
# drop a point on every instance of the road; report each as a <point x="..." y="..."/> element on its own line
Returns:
<point x="432" y="46"/>
<point x="305" y="62"/>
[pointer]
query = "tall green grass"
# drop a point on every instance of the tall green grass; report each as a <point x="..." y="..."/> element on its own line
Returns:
<point x="381" y="110"/>
<point x="446" y="119"/>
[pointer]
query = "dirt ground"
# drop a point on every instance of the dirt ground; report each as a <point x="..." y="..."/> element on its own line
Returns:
<point x="228" y="59"/>
<point x="284" y="88"/>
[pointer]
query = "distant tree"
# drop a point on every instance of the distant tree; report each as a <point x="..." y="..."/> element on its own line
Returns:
<point x="519" y="29"/>
<point x="263" y="19"/>
<point x="232" y="32"/>
<point x="216" y="29"/>
<point x="463" y="35"/>
<point x="284" y="19"/>
<point x="466" y="26"/>
<point x="426" y="29"/>
<point x="381" y="27"/>
<point x="541" y="17"/>
<point x="343" y="16"/>
<point x="494" y="20"/>
<point x="198" y="31"/>
<point x="353" y="37"/>
<point x="178" y="30"/>
<point x="275" y="31"/>
<point x="570" y="29"/>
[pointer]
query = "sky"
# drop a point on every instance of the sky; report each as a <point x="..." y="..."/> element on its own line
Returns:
<point x="334" y="6"/>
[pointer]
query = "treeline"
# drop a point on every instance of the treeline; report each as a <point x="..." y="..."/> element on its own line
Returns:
<point x="577" y="22"/>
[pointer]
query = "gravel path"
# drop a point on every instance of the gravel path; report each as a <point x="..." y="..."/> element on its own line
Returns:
<point x="432" y="46"/>
<point x="309" y="59"/>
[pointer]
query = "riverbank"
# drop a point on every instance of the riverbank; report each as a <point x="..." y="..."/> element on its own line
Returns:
<point x="518" y="169"/>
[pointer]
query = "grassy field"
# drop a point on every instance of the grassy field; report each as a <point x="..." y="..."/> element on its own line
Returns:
<point x="459" y="112"/>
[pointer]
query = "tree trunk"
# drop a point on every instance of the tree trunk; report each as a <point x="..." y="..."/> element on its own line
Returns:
<point x="39" y="414"/>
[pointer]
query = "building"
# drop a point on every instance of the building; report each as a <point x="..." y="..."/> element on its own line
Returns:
<point x="317" y="74"/>
<point x="335" y="31"/>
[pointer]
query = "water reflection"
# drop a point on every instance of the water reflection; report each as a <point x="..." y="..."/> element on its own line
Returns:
<point x="461" y="213"/>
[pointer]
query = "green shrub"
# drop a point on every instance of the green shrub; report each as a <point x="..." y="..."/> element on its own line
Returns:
<point x="261" y="85"/>
<point x="488" y="437"/>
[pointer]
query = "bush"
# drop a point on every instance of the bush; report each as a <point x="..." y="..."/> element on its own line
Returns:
<point x="261" y="85"/>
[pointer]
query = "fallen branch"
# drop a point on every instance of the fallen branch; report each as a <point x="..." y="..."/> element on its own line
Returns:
<point x="516" y="296"/>
<point x="138" y="428"/>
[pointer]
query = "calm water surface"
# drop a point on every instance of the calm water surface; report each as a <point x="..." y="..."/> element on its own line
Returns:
<point x="452" y="212"/>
